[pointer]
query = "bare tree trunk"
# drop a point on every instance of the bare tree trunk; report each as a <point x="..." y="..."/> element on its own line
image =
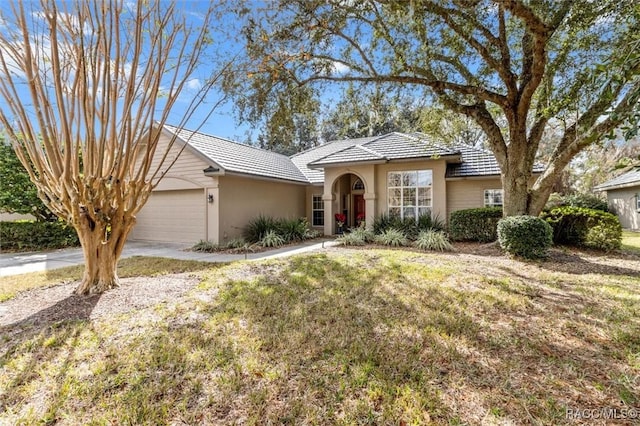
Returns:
<point x="515" y="186"/>
<point x="102" y="246"/>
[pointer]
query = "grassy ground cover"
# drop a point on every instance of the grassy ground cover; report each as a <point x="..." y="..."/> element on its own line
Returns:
<point x="631" y="241"/>
<point x="345" y="337"/>
<point x="130" y="267"/>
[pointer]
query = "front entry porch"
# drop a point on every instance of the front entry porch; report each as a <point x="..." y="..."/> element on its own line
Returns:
<point x="348" y="196"/>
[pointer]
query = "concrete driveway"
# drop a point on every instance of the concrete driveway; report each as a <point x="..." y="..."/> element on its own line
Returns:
<point x="21" y="263"/>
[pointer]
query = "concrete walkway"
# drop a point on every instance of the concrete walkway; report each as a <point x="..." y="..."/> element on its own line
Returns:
<point x="22" y="263"/>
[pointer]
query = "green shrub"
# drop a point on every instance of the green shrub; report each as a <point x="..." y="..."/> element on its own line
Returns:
<point x="32" y="235"/>
<point x="433" y="240"/>
<point x="525" y="236"/>
<point x="258" y="227"/>
<point x="271" y="239"/>
<point x="475" y="224"/>
<point x="584" y="227"/>
<point x="409" y="226"/>
<point x="351" y="239"/>
<point x="392" y="237"/>
<point x="236" y="243"/>
<point x="292" y="229"/>
<point x="587" y="201"/>
<point x="289" y="229"/>
<point x="205" y="246"/>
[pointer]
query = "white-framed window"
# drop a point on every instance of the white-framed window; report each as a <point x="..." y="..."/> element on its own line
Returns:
<point x="317" y="211"/>
<point x="358" y="185"/>
<point x="493" y="197"/>
<point x="638" y="202"/>
<point x="409" y="193"/>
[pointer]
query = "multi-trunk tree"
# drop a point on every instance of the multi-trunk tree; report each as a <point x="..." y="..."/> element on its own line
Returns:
<point x="86" y="86"/>
<point x="512" y="66"/>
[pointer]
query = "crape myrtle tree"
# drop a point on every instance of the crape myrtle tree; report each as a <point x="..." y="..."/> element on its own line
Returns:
<point x="86" y="86"/>
<point x="510" y="65"/>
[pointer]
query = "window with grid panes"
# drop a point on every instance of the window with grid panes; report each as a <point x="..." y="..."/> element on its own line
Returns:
<point x="409" y="193"/>
<point x="317" y="210"/>
<point x="493" y="197"/>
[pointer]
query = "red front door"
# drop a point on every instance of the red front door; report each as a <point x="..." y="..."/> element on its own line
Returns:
<point x="358" y="207"/>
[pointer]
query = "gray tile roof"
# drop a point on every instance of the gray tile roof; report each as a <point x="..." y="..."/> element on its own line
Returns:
<point x="302" y="159"/>
<point x="630" y="178"/>
<point x="241" y="158"/>
<point x="478" y="162"/>
<point x="392" y="146"/>
<point x="307" y="166"/>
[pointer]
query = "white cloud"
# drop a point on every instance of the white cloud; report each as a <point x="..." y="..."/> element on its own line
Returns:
<point x="340" y="68"/>
<point x="194" y="84"/>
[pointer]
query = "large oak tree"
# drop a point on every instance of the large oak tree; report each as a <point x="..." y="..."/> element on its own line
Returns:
<point x="86" y="85"/>
<point x="513" y="66"/>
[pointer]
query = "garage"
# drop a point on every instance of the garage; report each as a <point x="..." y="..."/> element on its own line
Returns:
<point x="176" y="216"/>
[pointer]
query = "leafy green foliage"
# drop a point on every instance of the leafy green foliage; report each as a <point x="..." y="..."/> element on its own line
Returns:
<point x="587" y="201"/>
<point x="433" y="240"/>
<point x="32" y="235"/>
<point x="392" y="237"/>
<point x="525" y="236"/>
<point x="356" y="237"/>
<point x="362" y="113"/>
<point x="17" y="193"/>
<point x="271" y="239"/>
<point x="512" y="68"/>
<point x="475" y="224"/>
<point x="579" y="226"/>
<point x="290" y="230"/>
<point x="409" y="226"/>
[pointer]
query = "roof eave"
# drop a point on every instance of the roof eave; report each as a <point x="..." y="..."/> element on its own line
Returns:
<point x="602" y="188"/>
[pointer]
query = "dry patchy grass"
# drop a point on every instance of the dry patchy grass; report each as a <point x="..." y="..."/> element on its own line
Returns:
<point x="135" y="266"/>
<point x="347" y="337"/>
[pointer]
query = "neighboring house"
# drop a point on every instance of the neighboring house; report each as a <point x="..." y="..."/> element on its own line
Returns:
<point x="623" y="194"/>
<point x="217" y="186"/>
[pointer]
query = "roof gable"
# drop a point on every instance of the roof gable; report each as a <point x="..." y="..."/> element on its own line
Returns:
<point x="240" y="158"/>
<point x="630" y="178"/>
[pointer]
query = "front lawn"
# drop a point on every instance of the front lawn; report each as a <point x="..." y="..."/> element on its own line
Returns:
<point x="345" y="337"/>
<point x="631" y="241"/>
<point x="130" y="267"/>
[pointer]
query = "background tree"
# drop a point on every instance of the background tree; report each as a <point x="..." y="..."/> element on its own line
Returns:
<point x="370" y="112"/>
<point x="521" y="63"/>
<point x="450" y="127"/>
<point x="17" y="193"/>
<point x="86" y="86"/>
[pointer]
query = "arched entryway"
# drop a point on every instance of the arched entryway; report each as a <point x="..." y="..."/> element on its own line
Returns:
<point x="349" y="200"/>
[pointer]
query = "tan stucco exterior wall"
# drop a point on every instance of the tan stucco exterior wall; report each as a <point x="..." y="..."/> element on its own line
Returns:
<point x="623" y="203"/>
<point x="468" y="193"/>
<point x="243" y="199"/>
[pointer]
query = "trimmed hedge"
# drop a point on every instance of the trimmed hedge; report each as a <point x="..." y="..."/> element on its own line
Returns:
<point x="525" y="236"/>
<point x="475" y="224"/>
<point x="32" y="235"/>
<point x="584" y="227"/>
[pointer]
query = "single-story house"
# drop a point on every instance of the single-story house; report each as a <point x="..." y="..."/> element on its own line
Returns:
<point x="623" y="194"/>
<point x="216" y="186"/>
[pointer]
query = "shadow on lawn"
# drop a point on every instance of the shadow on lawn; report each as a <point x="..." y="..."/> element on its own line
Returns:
<point x="352" y="341"/>
<point x="46" y="331"/>
<point x="351" y="346"/>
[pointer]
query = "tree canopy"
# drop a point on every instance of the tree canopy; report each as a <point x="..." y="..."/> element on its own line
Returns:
<point x="511" y="66"/>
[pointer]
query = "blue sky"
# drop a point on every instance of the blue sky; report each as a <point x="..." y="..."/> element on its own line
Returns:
<point x="222" y="122"/>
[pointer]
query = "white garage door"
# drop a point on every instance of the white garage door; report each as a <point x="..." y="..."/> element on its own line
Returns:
<point x="177" y="216"/>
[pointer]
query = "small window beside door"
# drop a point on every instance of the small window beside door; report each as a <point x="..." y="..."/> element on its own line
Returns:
<point x="317" y="211"/>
